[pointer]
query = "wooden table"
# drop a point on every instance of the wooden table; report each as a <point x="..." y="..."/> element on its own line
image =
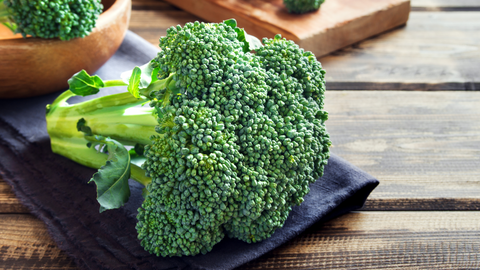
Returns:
<point x="423" y="146"/>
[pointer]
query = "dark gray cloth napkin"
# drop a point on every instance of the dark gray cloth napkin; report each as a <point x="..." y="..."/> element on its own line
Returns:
<point x="55" y="189"/>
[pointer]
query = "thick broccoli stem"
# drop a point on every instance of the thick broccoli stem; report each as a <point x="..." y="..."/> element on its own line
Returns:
<point x="113" y="116"/>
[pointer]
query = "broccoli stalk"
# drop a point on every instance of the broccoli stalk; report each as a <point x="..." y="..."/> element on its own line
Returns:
<point x="65" y="19"/>
<point x="95" y="131"/>
<point x="234" y="136"/>
<point x="111" y="116"/>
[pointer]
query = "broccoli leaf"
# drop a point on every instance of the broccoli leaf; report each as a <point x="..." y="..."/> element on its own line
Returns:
<point x="136" y="154"/>
<point x="82" y="127"/>
<point x="10" y="25"/>
<point x="112" y="178"/>
<point x="83" y="84"/>
<point x="134" y="82"/>
<point x="140" y="78"/>
<point x="253" y="42"/>
<point x="250" y="43"/>
<point x="231" y="22"/>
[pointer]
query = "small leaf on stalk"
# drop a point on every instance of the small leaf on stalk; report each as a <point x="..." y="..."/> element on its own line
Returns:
<point x="112" y="178"/>
<point x="82" y="127"/>
<point x="250" y="43"/>
<point x="136" y="155"/>
<point x="253" y="42"/>
<point x="140" y="78"/>
<point x="134" y="82"/>
<point x="231" y="22"/>
<point x="82" y="84"/>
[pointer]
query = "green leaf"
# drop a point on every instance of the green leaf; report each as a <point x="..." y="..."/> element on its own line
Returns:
<point x="139" y="149"/>
<point x="134" y="82"/>
<point x="141" y="77"/>
<point x="10" y="25"/>
<point x="82" y="127"/>
<point x="231" y="22"/>
<point x="250" y="43"/>
<point x="112" y="178"/>
<point x="253" y="42"/>
<point x="83" y="84"/>
<point x="136" y="155"/>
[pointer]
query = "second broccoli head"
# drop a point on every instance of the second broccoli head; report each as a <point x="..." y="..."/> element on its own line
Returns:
<point x="65" y="19"/>
<point x="302" y="6"/>
<point x="238" y="136"/>
<point x="239" y="147"/>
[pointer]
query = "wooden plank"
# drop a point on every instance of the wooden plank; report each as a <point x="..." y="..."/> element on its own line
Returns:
<point x="383" y="240"/>
<point x="445" y="5"/>
<point x="158" y="5"/>
<point x="421" y="204"/>
<point x="435" y="51"/>
<point x="26" y="244"/>
<point x="420" y="145"/>
<point x="335" y="25"/>
<point x="359" y="240"/>
<point x="153" y="24"/>
<point x="162" y="5"/>
<point x="8" y="202"/>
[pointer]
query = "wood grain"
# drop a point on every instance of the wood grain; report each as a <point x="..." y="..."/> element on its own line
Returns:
<point x="25" y="244"/>
<point x="157" y="5"/>
<point x="435" y="51"/>
<point x="445" y="5"/>
<point x="420" y="145"/>
<point x="8" y="202"/>
<point x="359" y="240"/>
<point x="383" y="240"/>
<point x="421" y="204"/>
<point x="153" y="24"/>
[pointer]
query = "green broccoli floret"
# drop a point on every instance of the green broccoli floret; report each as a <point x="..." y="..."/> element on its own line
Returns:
<point x="233" y="137"/>
<point x="65" y="19"/>
<point x="302" y="6"/>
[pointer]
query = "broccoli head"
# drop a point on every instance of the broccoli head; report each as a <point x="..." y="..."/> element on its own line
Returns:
<point x="302" y="6"/>
<point x="65" y="19"/>
<point x="238" y="138"/>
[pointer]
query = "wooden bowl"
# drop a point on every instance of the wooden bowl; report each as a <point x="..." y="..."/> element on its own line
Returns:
<point x="33" y="66"/>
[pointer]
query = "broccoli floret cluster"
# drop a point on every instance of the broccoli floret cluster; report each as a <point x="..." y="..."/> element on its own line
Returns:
<point x="239" y="141"/>
<point x="234" y="136"/>
<point x="302" y="6"/>
<point x="65" y="19"/>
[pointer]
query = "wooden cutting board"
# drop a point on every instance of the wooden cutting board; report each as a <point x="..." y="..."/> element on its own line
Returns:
<point x="338" y="23"/>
